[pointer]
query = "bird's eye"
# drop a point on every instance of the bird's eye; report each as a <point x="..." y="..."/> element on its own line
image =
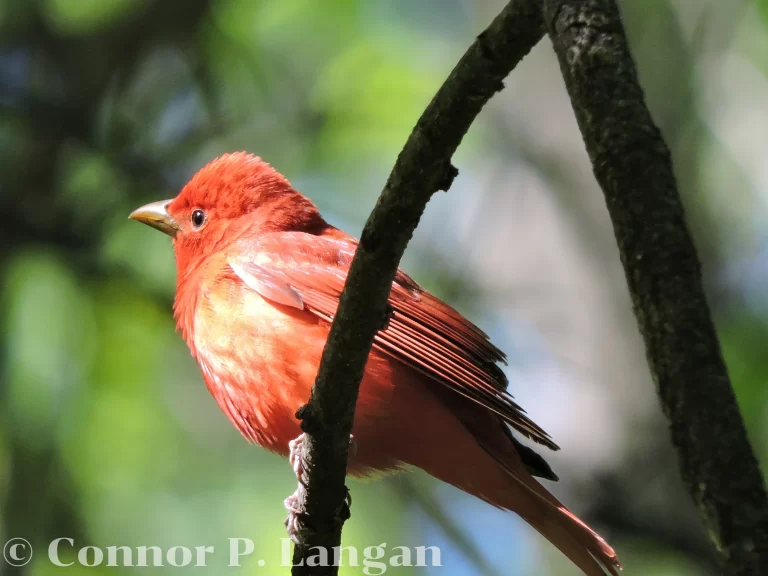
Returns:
<point x="198" y="218"/>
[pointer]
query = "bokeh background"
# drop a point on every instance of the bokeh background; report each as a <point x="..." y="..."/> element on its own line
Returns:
<point x="107" y="433"/>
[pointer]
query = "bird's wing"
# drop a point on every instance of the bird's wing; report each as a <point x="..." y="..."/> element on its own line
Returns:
<point x="306" y="271"/>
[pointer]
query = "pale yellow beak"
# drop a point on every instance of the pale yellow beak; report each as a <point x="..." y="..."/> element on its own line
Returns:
<point x="156" y="215"/>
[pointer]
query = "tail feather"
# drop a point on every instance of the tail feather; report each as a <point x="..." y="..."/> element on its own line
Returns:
<point x="473" y="453"/>
<point x="582" y="545"/>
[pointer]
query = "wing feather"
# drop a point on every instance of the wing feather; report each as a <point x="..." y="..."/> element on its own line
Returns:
<point x="423" y="332"/>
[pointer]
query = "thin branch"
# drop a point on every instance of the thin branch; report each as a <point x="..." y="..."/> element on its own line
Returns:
<point x="422" y="168"/>
<point x="633" y="167"/>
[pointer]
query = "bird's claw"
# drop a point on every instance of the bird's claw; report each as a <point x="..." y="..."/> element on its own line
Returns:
<point x="294" y="456"/>
<point x="296" y="521"/>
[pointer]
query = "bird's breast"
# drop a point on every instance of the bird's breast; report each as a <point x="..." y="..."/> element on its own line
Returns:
<point x="258" y="360"/>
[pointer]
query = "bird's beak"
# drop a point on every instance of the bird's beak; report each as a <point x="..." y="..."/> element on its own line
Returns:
<point x="156" y="215"/>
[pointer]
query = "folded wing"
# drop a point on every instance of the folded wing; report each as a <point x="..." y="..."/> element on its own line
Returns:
<point x="306" y="271"/>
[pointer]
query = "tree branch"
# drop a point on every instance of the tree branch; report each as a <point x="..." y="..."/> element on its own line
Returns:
<point x="633" y="167"/>
<point x="422" y="168"/>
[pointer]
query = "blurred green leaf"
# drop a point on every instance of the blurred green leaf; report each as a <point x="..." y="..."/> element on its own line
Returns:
<point x="371" y="97"/>
<point x="85" y="16"/>
<point x="147" y="253"/>
<point x="743" y="340"/>
<point x="91" y="187"/>
<point x="49" y="319"/>
<point x="762" y="8"/>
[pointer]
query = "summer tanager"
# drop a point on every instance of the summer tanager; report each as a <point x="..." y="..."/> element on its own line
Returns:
<point x="259" y="275"/>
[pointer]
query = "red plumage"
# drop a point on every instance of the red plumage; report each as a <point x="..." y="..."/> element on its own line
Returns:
<point x="258" y="283"/>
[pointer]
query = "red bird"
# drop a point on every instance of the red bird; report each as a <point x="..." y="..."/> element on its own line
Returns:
<point x="259" y="278"/>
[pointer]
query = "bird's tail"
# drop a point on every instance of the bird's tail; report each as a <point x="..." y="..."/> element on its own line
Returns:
<point x="582" y="545"/>
<point x="508" y="485"/>
<point x="500" y="478"/>
<point x="474" y="454"/>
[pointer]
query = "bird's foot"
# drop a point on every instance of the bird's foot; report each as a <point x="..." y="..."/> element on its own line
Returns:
<point x="296" y="523"/>
<point x="294" y="455"/>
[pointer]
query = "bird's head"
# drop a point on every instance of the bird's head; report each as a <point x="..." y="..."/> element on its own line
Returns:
<point x="233" y="195"/>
